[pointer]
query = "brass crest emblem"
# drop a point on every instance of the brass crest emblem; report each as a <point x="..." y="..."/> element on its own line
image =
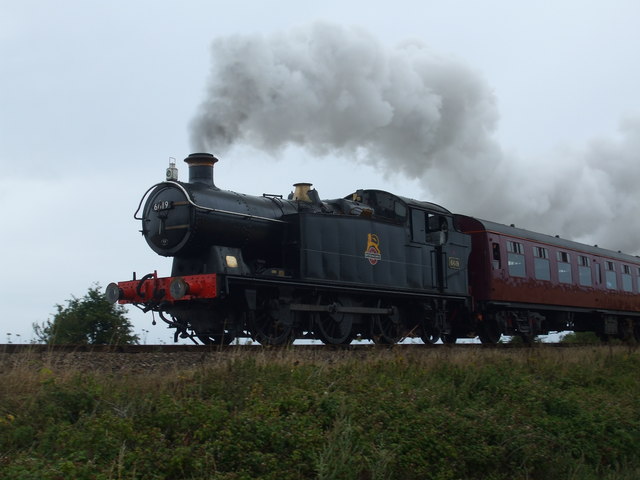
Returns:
<point x="372" y="253"/>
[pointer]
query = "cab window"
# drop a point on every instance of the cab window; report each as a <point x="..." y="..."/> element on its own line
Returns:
<point x="428" y="227"/>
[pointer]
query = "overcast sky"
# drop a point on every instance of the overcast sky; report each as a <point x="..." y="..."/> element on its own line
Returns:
<point x="96" y="96"/>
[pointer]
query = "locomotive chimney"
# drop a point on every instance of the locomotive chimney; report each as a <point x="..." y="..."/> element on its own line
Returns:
<point x="201" y="168"/>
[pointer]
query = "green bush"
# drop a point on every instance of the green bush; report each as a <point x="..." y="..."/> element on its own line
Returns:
<point x="581" y="338"/>
<point x="91" y="320"/>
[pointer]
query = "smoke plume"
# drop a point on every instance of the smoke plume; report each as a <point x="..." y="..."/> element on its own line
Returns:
<point x="337" y="91"/>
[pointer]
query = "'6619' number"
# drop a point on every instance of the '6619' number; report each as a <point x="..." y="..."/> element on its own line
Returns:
<point x="162" y="205"/>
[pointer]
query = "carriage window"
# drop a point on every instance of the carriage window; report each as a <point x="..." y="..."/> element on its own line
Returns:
<point x="564" y="267"/>
<point x="638" y="279"/>
<point x="584" y="271"/>
<point x="515" y="259"/>
<point x="496" y="257"/>
<point x="610" y="275"/>
<point x="541" y="263"/>
<point x="627" y="283"/>
<point x="515" y="247"/>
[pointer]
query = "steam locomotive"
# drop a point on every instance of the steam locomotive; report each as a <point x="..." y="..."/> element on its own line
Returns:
<point x="372" y="265"/>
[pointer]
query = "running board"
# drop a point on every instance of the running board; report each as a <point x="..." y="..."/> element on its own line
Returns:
<point x="335" y="308"/>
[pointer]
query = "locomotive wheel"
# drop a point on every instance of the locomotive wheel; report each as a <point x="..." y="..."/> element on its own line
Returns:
<point x="428" y="327"/>
<point x="626" y="329"/>
<point x="448" y="338"/>
<point x="333" y="327"/>
<point x="489" y="332"/>
<point x="224" y="338"/>
<point x="429" y="334"/>
<point x="269" y="325"/>
<point x="207" y="327"/>
<point x="527" y="338"/>
<point x="387" y="329"/>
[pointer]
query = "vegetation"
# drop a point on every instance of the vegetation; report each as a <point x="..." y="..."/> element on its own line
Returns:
<point x="585" y="338"/>
<point x="434" y="414"/>
<point x="87" y="320"/>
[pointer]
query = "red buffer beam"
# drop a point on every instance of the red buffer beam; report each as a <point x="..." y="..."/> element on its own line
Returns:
<point x="152" y="289"/>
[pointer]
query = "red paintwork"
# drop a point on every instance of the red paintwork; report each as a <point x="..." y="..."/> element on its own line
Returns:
<point x="157" y="289"/>
<point x="489" y="284"/>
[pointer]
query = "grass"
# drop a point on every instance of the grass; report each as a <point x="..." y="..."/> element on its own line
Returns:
<point x="393" y="414"/>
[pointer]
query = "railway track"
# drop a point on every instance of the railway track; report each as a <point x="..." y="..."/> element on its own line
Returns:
<point x="11" y="348"/>
<point x="31" y="359"/>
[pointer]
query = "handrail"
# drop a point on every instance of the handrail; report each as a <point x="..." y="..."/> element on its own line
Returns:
<point x="200" y="207"/>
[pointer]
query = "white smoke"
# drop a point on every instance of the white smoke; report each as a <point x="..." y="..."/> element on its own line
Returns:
<point x="338" y="91"/>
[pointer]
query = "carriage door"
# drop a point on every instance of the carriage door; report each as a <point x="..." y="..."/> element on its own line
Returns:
<point x="431" y="229"/>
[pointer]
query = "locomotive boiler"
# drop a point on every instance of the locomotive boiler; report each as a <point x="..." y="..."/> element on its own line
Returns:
<point x="372" y="264"/>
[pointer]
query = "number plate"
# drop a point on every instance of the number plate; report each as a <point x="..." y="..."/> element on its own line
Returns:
<point x="162" y="205"/>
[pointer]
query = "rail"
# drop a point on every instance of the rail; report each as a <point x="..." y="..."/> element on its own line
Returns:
<point x="12" y="348"/>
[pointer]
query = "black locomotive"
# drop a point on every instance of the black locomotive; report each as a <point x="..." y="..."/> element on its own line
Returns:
<point x="371" y="265"/>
